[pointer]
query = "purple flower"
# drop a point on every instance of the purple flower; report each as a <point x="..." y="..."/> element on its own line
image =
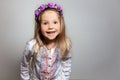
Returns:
<point x="42" y="7"/>
<point x="51" y="5"/>
<point x="37" y="12"/>
<point x="59" y="7"/>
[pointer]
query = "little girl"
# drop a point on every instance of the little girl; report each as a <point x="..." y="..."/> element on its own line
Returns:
<point x="47" y="55"/>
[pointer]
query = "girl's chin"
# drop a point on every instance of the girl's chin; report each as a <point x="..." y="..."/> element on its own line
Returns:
<point x="51" y="38"/>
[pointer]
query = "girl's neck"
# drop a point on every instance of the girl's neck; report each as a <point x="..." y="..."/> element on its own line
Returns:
<point x="50" y="44"/>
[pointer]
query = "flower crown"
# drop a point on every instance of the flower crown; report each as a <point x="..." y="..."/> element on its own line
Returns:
<point x="45" y="6"/>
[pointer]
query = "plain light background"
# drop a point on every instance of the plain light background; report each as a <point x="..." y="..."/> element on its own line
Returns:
<point x="93" y="26"/>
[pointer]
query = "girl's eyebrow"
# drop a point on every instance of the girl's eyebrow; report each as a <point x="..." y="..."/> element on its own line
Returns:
<point x="43" y="20"/>
<point x="47" y="20"/>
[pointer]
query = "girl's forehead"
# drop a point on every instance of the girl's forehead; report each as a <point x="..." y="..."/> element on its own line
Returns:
<point x="50" y="11"/>
<point x="50" y="14"/>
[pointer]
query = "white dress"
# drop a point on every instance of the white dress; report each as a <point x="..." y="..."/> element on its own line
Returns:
<point x="47" y="64"/>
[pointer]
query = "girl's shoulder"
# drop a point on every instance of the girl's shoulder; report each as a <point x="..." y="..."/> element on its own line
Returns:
<point x="30" y="43"/>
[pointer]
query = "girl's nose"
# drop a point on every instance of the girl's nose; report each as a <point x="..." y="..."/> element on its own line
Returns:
<point x="50" y="26"/>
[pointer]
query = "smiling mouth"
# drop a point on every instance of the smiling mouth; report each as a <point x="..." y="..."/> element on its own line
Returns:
<point x="50" y="32"/>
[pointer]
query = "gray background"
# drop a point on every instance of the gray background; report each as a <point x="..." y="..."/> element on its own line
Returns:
<point x="94" y="28"/>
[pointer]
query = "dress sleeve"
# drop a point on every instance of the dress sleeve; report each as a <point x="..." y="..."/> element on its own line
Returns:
<point x="24" y="66"/>
<point x="66" y="69"/>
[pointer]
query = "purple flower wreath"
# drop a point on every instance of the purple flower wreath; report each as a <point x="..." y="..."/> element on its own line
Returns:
<point x="49" y="5"/>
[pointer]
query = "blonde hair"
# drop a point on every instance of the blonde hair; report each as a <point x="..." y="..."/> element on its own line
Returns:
<point x="62" y="40"/>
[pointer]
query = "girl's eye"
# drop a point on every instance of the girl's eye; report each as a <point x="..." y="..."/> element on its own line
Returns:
<point x="55" y="22"/>
<point x="45" y="23"/>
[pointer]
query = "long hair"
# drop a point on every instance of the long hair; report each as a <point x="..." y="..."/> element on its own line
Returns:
<point x="63" y="41"/>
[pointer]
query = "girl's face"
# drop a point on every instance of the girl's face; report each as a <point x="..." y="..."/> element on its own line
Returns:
<point x="50" y="25"/>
